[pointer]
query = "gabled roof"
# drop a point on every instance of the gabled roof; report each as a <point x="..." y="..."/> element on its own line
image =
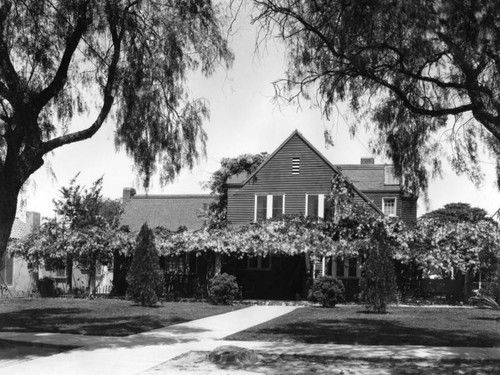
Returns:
<point x="322" y="157"/>
<point x="169" y="211"/>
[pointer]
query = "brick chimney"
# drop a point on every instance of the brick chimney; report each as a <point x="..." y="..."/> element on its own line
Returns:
<point x="367" y="160"/>
<point x="128" y="193"/>
<point x="33" y="220"/>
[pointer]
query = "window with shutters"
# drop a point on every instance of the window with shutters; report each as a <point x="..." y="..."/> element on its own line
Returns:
<point x="318" y="205"/>
<point x="269" y="207"/>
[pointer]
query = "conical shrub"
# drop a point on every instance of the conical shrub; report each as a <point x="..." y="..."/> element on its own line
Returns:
<point x="145" y="278"/>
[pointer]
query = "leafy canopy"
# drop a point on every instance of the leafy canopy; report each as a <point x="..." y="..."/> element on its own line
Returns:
<point x="409" y="66"/>
<point x="456" y="236"/>
<point x="79" y="232"/>
<point x="456" y="213"/>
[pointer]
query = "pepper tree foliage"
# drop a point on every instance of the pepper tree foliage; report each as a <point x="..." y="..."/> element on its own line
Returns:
<point x="408" y="67"/>
<point x="79" y="233"/>
<point x="216" y="213"/>
<point x="129" y="58"/>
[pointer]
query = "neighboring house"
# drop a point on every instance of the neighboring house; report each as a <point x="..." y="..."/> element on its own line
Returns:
<point x="14" y="276"/>
<point x="295" y="179"/>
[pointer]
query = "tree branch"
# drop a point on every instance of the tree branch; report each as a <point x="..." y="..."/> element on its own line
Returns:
<point x="107" y="94"/>
<point x="61" y="75"/>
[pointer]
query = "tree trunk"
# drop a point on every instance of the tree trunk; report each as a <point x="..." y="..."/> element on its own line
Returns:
<point x="69" y="273"/>
<point x="8" y="207"/>
<point x="92" y="282"/>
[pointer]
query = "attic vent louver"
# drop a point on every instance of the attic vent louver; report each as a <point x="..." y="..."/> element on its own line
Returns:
<point x="295" y="165"/>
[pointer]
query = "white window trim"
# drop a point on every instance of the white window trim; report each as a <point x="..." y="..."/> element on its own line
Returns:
<point x="395" y="206"/>
<point x="321" y="205"/>
<point x="269" y="209"/>
<point x="269" y="205"/>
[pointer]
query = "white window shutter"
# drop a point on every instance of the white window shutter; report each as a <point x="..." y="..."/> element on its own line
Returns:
<point x="269" y="210"/>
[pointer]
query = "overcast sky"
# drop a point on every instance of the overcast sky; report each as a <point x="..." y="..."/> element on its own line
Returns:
<point x="243" y="119"/>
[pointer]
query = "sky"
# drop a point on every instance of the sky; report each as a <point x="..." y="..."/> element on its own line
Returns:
<point x="244" y="119"/>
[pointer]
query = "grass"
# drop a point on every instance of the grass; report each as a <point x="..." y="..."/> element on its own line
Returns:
<point x="103" y="317"/>
<point x="352" y="325"/>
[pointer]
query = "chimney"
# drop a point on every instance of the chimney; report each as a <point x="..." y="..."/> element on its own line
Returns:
<point x="33" y="220"/>
<point x="367" y="160"/>
<point x="128" y="193"/>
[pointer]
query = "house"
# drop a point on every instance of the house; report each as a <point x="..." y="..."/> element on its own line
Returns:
<point x="14" y="276"/>
<point x="296" y="179"/>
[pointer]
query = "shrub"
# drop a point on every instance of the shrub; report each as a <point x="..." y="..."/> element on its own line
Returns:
<point x="378" y="280"/>
<point x="145" y="278"/>
<point x="327" y="290"/>
<point x="47" y="287"/>
<point x="223" y="289"/>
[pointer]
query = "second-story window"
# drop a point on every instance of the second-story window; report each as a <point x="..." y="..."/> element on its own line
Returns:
<point x="315" y="205"/>
<point x="269" y="207"/>
<point x="261" y="208"/>
<point x="389" y="206"/>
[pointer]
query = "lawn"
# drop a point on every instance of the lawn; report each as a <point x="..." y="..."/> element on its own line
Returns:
<point x="103" y="317"/>
<point x="352" y="325"/>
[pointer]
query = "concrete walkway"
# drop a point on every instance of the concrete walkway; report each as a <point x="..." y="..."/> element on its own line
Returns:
<point x="137" y="353"/>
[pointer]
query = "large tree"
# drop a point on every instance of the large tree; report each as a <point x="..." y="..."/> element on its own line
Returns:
<point x="411" y="65"/>
<point x="130" y="58"/>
